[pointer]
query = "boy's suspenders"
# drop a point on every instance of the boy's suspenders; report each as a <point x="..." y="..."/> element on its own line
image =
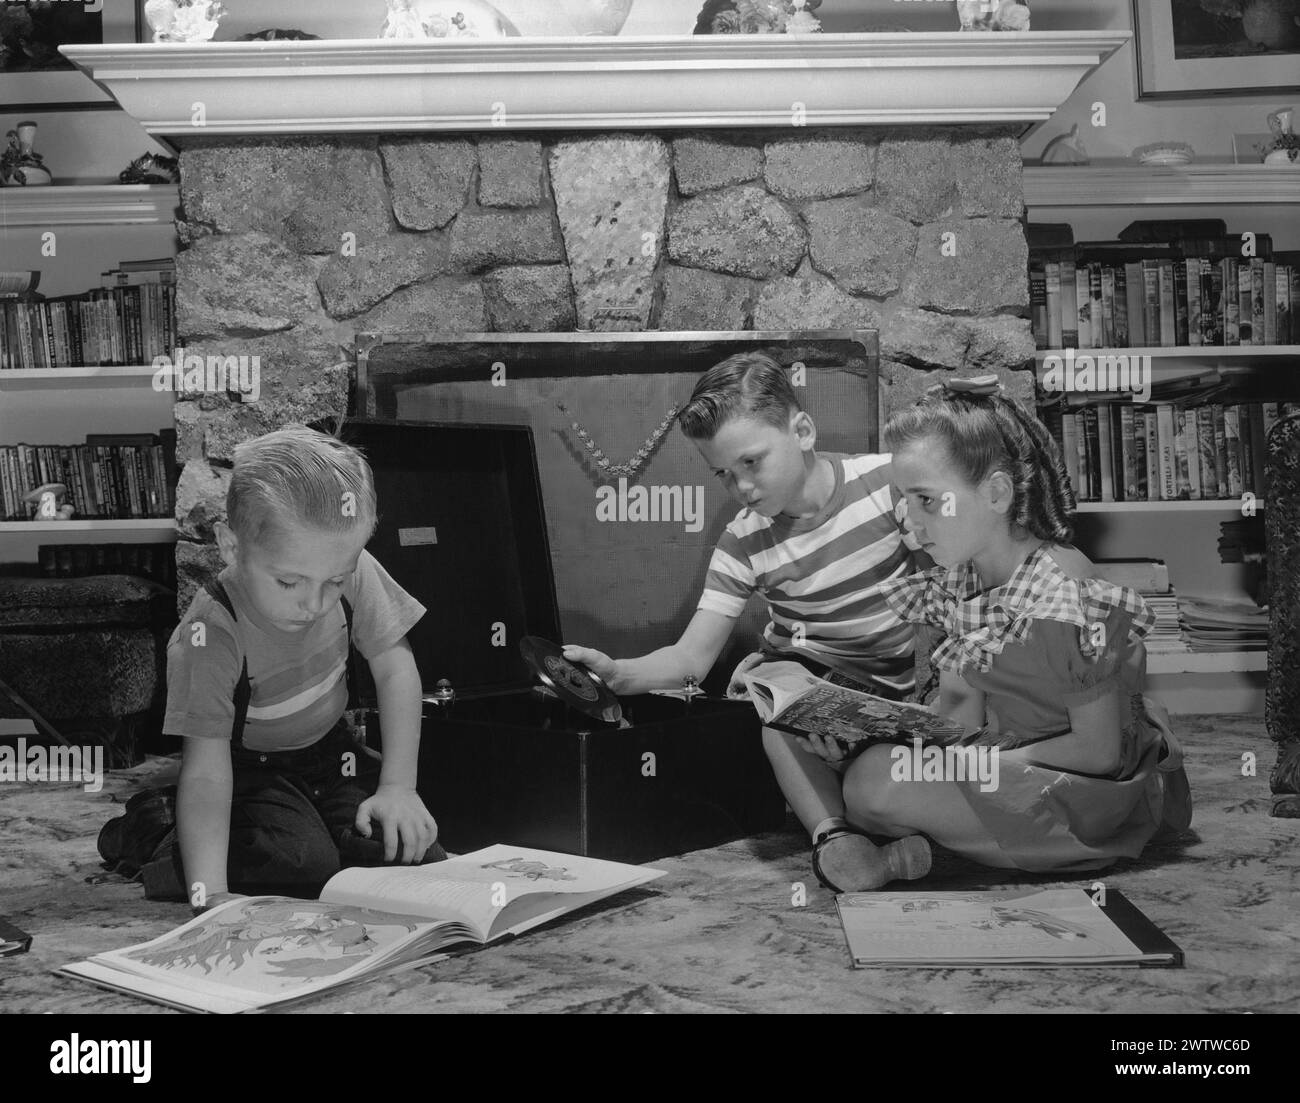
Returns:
<point x="244" y="688"/>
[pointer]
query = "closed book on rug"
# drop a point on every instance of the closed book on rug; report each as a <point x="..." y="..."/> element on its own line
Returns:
<point x="255" y="952"/>
<point x="945" y="930"/>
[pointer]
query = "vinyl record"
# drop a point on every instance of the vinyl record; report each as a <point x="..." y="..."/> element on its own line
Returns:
<point x="575" y="684"/>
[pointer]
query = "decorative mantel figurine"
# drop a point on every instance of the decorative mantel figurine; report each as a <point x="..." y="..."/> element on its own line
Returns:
<point x="445" y="19"/>
<point x="1284" y="148"/>
<point x="993" y="15"/>
<point x="183" y="20"/>
<point x="20" y="165"/>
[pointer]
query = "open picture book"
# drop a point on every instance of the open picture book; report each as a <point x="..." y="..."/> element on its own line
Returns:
<point x="977" y="929"/>
<point x="791" y="698"/>
<point x="262" y="951"/>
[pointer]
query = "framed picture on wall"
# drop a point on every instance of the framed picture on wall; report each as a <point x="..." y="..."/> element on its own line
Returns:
<point x="33" y="74"/>
<point x="1190" y="48"/>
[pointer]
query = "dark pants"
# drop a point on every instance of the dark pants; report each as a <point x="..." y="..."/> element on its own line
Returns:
<point x="292" y="821"/>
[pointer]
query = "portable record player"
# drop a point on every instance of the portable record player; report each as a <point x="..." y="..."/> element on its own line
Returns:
<point x="518" y="744"/>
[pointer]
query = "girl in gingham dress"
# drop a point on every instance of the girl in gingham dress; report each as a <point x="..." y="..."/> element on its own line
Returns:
<point x="1050" y="664"/>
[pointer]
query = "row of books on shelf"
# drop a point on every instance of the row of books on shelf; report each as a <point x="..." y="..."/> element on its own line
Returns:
<point x="129" y="319"/>
<point x="1121" y="452"/>
<point x="1164" y="302"/>
<point x="110" y="477"/>
<point x="152" y="561"/>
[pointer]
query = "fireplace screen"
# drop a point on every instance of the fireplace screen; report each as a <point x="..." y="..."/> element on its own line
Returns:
<point x="630" y="534"/>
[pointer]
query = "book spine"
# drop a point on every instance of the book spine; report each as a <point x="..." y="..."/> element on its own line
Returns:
<point x="1282" y="303"/>
<point x="1244" y="432"/>
<point x="1070" y="450"/>
<point x="1052" y="281"/>
<point x="1258" y="449"/>
<point x="134" y="296"/>
<point x="1168" y="319"/>
<point x="1092" y="449"/>
<point x="7" y="496"/>
<point x="1184" y="454"/>
<point x="1231" y="303"/>
<point x="1083" y="305"/>
<point x="1232" y="450"/>
<point x="1134" y="305"/>
<point x="1220" y="456"/>
<point x="1108" y="331"/>
<point x="1095" y="308"/>
<point x="1270" y="303"/>
<point x="1128" y="452"/>
<point x="1245" y="322"/>
<point x="1256" y="301"/>
<point x="1140" y="468"/>
<point x="1069" y="305"/>
<point x="1193" y="276"/>
<point x="1121" y="309"/>
<point x="1206" y="477"/>
<point x="1038" y="302"/>
<point x="1181" y="329"/>
<point x="1294" y="281"/>
<point x="1211" y="304"/>
<point x="1106" y="454"/>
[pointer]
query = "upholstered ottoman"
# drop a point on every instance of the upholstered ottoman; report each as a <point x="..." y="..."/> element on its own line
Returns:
<point x="86" y="656"/>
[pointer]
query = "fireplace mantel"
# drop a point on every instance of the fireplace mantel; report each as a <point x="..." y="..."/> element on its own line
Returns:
<point x="366" y="85"/>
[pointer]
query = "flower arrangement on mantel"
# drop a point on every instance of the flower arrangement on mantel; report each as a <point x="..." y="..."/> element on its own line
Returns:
<point x="758" y="17"/>
<point x="183" y="20"/>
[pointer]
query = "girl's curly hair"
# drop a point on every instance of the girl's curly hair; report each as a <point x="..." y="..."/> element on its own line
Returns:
<point x="983" y="433"/>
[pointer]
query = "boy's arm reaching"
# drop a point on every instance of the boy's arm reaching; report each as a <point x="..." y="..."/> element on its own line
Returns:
<point x="397" y="807"/>
<point x="694" y="654"/>
<point x="203" y="816"/>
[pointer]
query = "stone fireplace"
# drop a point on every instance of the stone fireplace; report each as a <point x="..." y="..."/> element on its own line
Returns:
<point x="645" y="191"/>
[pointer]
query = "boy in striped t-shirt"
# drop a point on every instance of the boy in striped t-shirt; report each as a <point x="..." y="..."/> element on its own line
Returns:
<point x="818" y="535"/>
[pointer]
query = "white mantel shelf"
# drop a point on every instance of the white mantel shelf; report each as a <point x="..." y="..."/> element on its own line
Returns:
<point x="639" y="82"/>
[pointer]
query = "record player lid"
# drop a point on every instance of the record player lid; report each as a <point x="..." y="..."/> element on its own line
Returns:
<point x="462" y="529"/>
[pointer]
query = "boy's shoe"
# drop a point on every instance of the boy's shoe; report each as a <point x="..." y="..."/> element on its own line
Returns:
<point x="845" y="860"/>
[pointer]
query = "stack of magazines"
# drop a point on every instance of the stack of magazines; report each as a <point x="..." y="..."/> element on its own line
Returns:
<point x="1210" y="624"/>
<point x="1150" y="578"/>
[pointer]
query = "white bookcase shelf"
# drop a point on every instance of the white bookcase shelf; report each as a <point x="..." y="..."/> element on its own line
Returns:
<point x="30" y="379"/>
<point x="158" y="526"/>
<point x="1230" y="505"/>
<point x="1206" y="662"/>
<point x="1067" y="186"/>
<point x="1238" y="356"/>
<point x="89" y="205"/>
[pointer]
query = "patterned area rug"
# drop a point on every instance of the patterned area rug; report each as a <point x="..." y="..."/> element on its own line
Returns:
<point x="719" y="933"/>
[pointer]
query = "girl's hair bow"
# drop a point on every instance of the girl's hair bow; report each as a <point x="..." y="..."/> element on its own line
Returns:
<point x="981" y="386"/>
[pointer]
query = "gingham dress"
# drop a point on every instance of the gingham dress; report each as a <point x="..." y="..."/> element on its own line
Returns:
<point x="1036" y="646"/>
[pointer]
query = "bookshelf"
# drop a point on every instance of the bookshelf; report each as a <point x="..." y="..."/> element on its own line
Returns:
<point x="1098" y="201"/>
<point x="89" y="229"/>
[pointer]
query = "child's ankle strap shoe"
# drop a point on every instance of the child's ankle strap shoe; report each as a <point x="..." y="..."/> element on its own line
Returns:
<point x="845" y="860"/>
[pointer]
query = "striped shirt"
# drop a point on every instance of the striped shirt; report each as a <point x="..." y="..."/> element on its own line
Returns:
<point x="298" y="679"/>
<point x="821" y="575"/>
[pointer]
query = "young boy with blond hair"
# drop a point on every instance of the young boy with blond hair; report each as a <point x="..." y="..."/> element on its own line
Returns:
<point x="816" y="537"/>
<point x="273" y="793"/>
